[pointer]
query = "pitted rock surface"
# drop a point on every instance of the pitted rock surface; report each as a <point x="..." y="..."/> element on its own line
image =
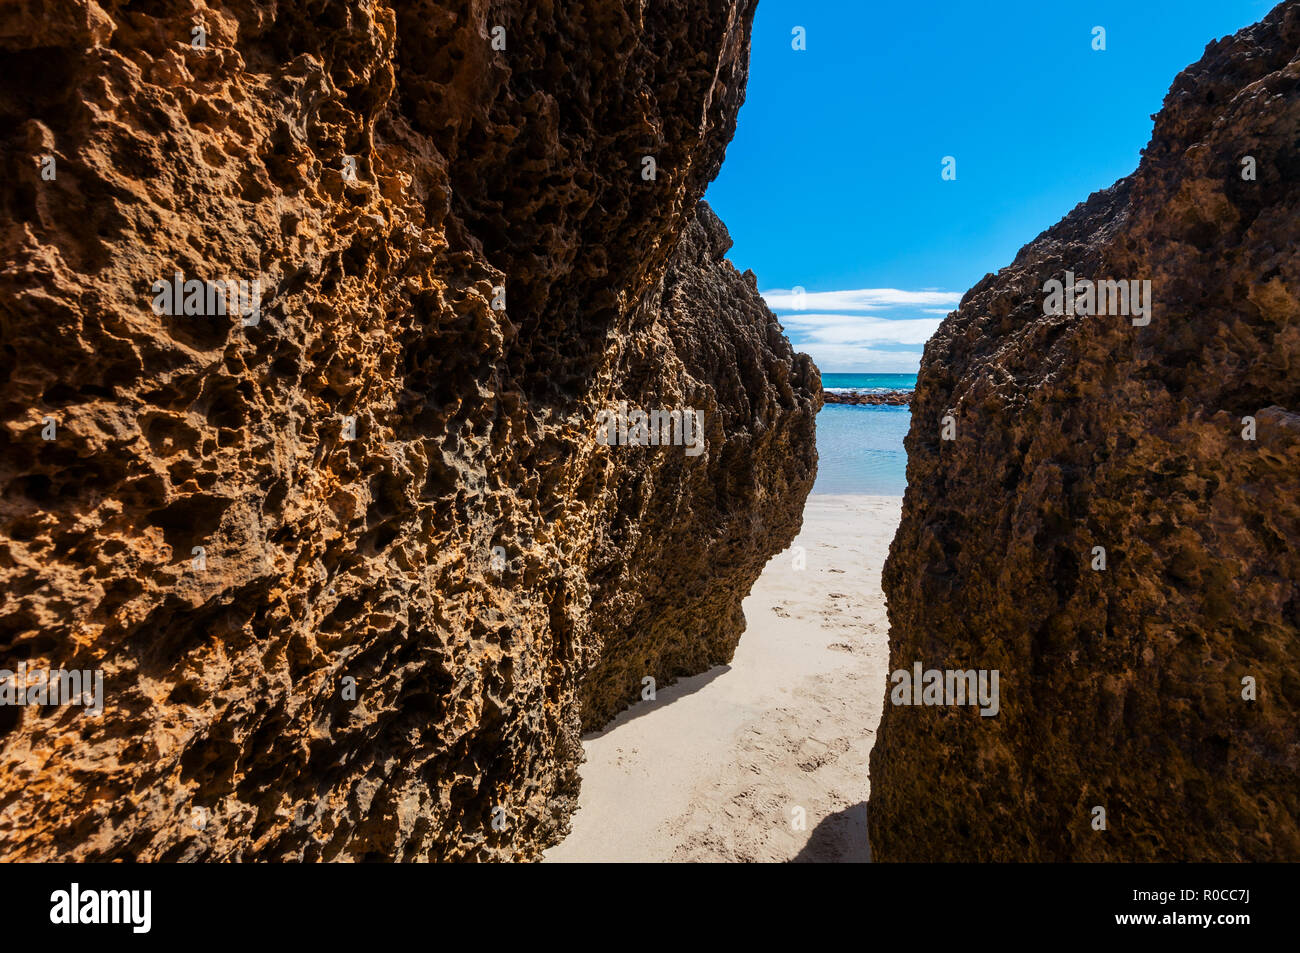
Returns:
<point x="419" y="575"/>
<point x="1120" y="688"/>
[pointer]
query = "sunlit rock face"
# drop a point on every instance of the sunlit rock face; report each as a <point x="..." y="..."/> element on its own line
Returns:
<point x="308" y="312"/>
<point x="1121" y="688"/>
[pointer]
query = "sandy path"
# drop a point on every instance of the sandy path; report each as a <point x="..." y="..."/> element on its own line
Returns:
<point x="715" y="767"/>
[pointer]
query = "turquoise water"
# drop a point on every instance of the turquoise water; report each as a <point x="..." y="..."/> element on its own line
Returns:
<point x="860" y="449"/>
<point x="868" y="382"/>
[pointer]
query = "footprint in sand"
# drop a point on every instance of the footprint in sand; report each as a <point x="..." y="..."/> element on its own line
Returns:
<point x="814" y="754"/>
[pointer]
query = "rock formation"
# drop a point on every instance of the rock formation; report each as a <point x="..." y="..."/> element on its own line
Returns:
<point x="1120" y="688"/>
<point x="889" y="398"/>
<point x="345" y="546"/>
<point x="689" y="540"/>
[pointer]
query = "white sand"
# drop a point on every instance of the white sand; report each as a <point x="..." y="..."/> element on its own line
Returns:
<point x="714" y="767"/>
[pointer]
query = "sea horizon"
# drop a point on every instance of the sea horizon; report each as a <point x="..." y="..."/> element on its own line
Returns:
<point x="868" y="383"/>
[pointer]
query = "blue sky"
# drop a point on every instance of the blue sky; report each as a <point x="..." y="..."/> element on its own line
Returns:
<point x="832" y="183"/>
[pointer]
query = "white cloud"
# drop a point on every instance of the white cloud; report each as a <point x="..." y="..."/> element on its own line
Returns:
<point x="835" y="359"/>
<point x="839" y="342"/>
<point x="860" y="329"/>
<point x="862" y="299"/>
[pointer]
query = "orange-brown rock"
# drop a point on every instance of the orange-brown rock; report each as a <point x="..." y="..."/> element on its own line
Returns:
<point x="355" y="567"/>
<point x="1125" y="688"/>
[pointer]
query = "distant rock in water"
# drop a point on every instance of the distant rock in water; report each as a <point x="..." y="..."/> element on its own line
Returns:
<point x="1165" y="447"/>
<point x="892" y="398"/>
<point x="307" y="330"/>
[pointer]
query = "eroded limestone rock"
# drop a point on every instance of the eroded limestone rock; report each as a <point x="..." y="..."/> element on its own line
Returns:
<point x="1120" y="688"/>
<point x="417" y="566"/>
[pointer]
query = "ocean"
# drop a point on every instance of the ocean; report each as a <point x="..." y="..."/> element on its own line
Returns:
<point x="868" y="383"/>
<point x="860" y="449"/>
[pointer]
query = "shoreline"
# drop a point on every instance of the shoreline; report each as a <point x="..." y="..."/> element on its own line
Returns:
<point x="723" y="766"/>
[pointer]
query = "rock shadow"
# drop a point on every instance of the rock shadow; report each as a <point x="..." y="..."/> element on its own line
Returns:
<point x="840" y="838"/>
<point x="663" y="696"/>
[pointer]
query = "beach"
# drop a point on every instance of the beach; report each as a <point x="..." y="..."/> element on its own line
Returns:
<point x="725" y="765"/>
